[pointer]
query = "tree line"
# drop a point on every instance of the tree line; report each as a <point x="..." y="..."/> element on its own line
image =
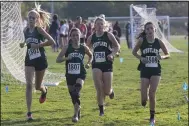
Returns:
<point x="87" y="9"/>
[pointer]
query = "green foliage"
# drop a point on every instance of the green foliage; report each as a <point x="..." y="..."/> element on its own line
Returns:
<point x="25" y="7"/>
<point x="86" y="9"/>
<point x="110" y="8"/>
<point x="58" y="7"/>
<point x="172" y="9"/>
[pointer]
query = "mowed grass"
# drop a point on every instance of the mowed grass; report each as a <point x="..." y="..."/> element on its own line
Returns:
<point x="124" y="110"/>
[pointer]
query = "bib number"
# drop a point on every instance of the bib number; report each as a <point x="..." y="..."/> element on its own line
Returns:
<point x="100" y="57"/>
<point x="34" y="53"/>
<point x="74" y="68"/>
<point x="152" y="61"/>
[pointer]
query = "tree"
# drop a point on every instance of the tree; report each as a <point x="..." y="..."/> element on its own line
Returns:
<point x="109" y="8"/>
<point x="86" y="9"/>
<point x="25" y="7"/>
<point x="173" y="9"/>
<point x="58" y="7"/>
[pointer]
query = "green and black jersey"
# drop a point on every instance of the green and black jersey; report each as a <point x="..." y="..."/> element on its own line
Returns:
<point x="75" y="66"/>
<point x="102" y="47"/>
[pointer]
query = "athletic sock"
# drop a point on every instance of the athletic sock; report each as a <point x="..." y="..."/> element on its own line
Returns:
<point x="101" y="108"/>
<point x="152" y="113"/>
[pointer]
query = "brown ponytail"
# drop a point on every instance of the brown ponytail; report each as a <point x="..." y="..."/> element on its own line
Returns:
<point x="143" y="34"/>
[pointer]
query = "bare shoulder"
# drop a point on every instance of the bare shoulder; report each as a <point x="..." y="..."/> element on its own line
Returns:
<point x="110" y="34"/>
<point x="40" y="28"/>
<point x="160" y="42"/>
<point x="140" y="40"/>
<point x="86" y="47"/>
<point x="90" y="37"/>
<point x="65" y="47"/>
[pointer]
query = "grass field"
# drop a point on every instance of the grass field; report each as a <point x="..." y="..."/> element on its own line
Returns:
<point x="124" y="110"/>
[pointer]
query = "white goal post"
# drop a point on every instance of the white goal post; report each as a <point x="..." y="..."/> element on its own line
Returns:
<point x="12" y="56"/>
<point x="125" y="19"/>
<point x="141" y="14"/>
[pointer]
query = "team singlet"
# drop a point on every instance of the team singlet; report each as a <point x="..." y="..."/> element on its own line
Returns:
<point x="33" y="37"/>
<point x="75" y="66"/>
<point x="101" y="48"/>
<point x="150" y="51"/>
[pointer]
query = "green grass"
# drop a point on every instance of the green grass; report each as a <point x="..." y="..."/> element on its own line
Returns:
<point x="124" y="110"/>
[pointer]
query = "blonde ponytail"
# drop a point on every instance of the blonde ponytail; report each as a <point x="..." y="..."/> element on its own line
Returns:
<point x="44" y="17"/>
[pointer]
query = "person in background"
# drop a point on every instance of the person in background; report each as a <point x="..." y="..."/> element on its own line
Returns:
<point x="186" y="25"/>
<point x="115" y="33"/>
<point x="64" y="29"/>
<point x="128" y="34"/>
<point x="82" y="27"/>
<point x="89" y="30"/>
<point x="117" y="28"/>
<point x="70" y="25"/>
<point x="160" y="26"/>
<point x="54" y="32"/>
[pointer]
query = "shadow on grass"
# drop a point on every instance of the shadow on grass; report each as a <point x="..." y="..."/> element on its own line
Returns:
<point x="106" y="105"/>
<point x="14" y="112"/>
<point x="39" y="121"/>
<point x="130" y="107"/>
<point x="35" y="111"/>
<point x="17" y="122"/>
<point x="66" y="121"/>
<point x="50" y="111"/>
<point x="161" y="112"/>
<point x="127" y="123"/>
<point x="110" y="124"/>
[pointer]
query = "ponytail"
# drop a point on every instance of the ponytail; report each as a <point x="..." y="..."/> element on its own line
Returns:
<point x="141" y="35"/>
<point x="44" y="17"/>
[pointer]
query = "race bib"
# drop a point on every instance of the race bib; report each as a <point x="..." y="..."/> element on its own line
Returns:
<point x="34" y="53"/>
<point x="100" y="57"/>
<point x="74" y="68"/>
<point x="152" y="61"/>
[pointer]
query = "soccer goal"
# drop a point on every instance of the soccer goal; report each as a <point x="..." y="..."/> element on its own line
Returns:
<point x="139" y="15"/>
<point x="12" y="56"/>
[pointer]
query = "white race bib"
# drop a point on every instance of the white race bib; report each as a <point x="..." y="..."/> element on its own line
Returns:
<point x="100" y="57"/>
<point x="74" y="68"/>
<point x="152" y="61"/>
<point x="34" y="53"/>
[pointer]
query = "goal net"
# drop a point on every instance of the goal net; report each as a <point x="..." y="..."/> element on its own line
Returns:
<point x="139" y="15"/>
<point x="123" y="22"/>
<point x="12" y="56"/>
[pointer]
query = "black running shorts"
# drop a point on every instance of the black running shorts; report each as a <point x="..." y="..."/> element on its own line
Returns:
<point x="103" y="67"/>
